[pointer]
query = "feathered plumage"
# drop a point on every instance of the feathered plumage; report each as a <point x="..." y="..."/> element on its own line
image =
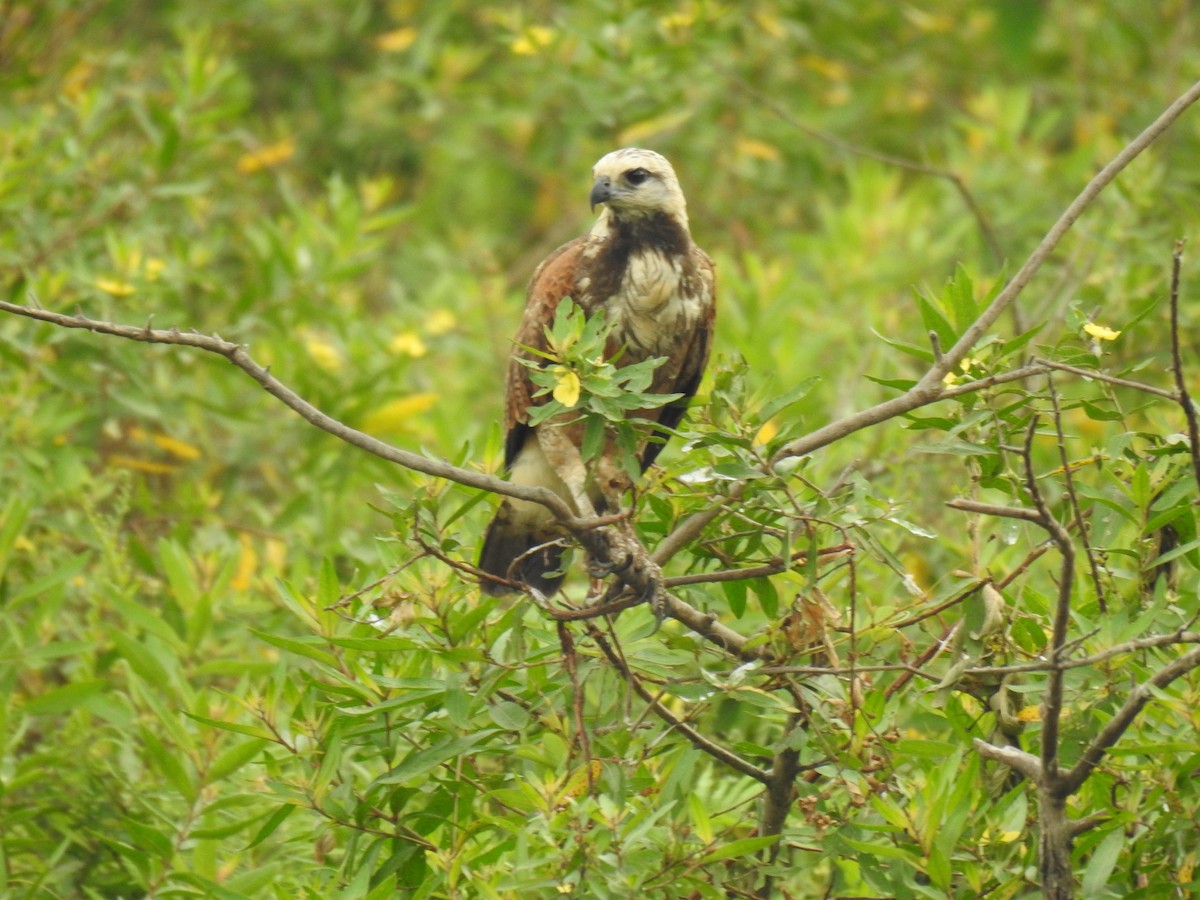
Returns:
<point x="638" y="263"/>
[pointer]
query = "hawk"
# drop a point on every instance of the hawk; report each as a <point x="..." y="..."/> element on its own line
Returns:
<point x="639" y="265"/>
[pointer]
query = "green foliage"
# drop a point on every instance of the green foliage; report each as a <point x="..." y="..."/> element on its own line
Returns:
<point x="234" y="660"/>
<point x="584" y="385"/>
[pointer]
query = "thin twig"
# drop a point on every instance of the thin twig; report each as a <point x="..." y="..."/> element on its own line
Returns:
<point x="992" y="509"/>
<point x="1073" y="498"/>
<point x="1108" y="379"/>
<point x="1052" y="704"/>
<point x="699" y="741"/>
<point x="1185" y="400"/>
<point x="237" y="355"/>
<point x="930" y="388"/>
<point x="774" y="567"/>
<point x="1013" y="757"/>
<point x="1132" y="646"/>
<point x="959" y="597"/>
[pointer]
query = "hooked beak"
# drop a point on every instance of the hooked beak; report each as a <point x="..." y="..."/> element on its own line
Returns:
<point x="601" y="191"/>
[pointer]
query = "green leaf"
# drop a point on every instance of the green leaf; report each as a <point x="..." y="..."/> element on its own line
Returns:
<point x="146" y="838"/>
<point x="593" y="438"/>
<point x="417" y="764"/>
<point x="179" y="572"/>
<point x="1103" y="861"/>
<point x="329" y="588"/>
<point x="700" y="818"/>
<point x="782" y="402"/>
<point x="66" y="698"/>
<point x="273" y="822"/>
<point x="44" y="585"/>
<point x="233" y="759"/>
<point x="768" y="597"/>
<point x="12" y="523"/>
<point x="1174" y="553"/>
<point x="306" y="647"/>
<point x="235" y="727"/>
<point x="735" y="594"/>
<point x="925" y="354"/>
<point x="140" y="658"/>
<point x="740" y="847"/>
<point x="509" y="716"/>
<point x="169" y="764"/>
<point x="937" y="323"/>
<point x="960" y="293"/>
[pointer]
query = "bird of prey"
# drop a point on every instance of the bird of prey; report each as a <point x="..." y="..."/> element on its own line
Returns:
<point x="639" y="265"/>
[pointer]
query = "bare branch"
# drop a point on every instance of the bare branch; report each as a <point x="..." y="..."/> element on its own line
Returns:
<point x="236" y="354"/>
<point x="1108" y="379"/>
<point x="1073" y="498"/>
<point x="1185" y="400"/>
<point x="967" y="591"/>
<point x="697" y="740"/>
<point x="1013" y="757"/>
<point x="992" y="509"/>
<point x="1146" y="643"/>
<point x="981" y="384"/>
<point x="930" y="387"/>
<point x="774" y="567"/>
<point x="707" y="626"/>
<point x="692" y="526"/>
<point x="1052" y="704"/>
<point x="936" y="344"/>
<point x="1132" y="646"/>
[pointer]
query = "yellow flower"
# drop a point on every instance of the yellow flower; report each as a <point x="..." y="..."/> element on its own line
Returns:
<point x="756" y="149"/>
<point x="114" y="286"/>
<point x="832" y="69"/>
<point x="566" y="391"/>
<point x="766" y="433"/>
<point x="440" y="321"/>
<point x="1100" y="332"/>
<point x="532" y="39"/>
<point x="396" y="40"/>
<point x="678" y="23"/>
<point x="267" y="157"/>
<point x="176" y="447"/>
<point x="409" y="343"/>
<point x="153" y="268"/>
<point x="323" y="353"/>
<point x="247" y="564"/>
<point x="398" y="415"/>
<point x="1030" y="714"/>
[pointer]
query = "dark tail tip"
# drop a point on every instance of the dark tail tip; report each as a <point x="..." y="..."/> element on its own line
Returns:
<point x="505" y="542"/>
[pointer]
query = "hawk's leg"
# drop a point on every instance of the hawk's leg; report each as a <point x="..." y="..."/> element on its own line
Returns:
<point x="563" y="456"/>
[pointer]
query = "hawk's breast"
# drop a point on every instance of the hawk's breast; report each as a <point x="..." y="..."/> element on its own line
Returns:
<point x="656" y="301"/>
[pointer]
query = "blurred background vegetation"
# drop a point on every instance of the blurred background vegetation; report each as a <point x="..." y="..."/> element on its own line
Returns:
<point x="358" y="192"/>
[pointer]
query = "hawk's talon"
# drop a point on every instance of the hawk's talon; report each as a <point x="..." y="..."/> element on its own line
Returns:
<point x="603" y="568"/>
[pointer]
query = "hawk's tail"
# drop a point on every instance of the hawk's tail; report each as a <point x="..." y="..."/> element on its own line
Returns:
<point x="513" y="550"/>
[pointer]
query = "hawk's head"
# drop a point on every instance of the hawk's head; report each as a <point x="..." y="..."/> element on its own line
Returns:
<point x="633" y="183"/>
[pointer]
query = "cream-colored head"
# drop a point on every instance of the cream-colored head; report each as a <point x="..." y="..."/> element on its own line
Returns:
<point x="633" y="183"/>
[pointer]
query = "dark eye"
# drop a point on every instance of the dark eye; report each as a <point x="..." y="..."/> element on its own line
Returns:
<point x="636" y="176"/>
